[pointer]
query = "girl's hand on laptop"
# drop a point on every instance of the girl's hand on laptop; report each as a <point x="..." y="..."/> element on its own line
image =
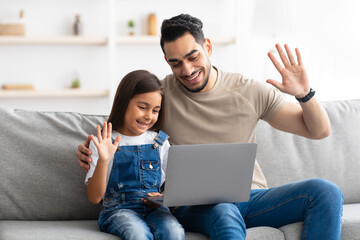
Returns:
<point x="155" y="194"/>
<point x="151" y="203"/>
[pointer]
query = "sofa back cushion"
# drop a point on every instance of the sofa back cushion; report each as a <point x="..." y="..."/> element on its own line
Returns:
<point x="39" y="175"/>
<point x="41" y="180"/>
<point x="285" y="157"/>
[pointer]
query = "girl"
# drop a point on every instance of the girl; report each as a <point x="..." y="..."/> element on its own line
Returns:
<point x="129" y="163"/>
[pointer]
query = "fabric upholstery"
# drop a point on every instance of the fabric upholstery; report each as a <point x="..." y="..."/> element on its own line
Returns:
<point x="88" y="230"/>
<point x="351" y="222"/>
<point x="52" y="230"/>
<point x="336" y="158"/>
<point x="43" y="196"/>
<point x="39" y="175"/>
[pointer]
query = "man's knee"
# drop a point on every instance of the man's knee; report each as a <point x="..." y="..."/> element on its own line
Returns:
<point x="226" y="221"/>
<point x="327" y="192"/>
<point x="225" y="210"/>
<point x="325" y="187"/>
<point x="226" y="213"/>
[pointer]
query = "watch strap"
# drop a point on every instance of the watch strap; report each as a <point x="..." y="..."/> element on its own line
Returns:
<point x="307" y="97"/>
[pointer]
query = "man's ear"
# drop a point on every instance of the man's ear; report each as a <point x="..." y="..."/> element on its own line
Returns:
<point x="208" y="46"/>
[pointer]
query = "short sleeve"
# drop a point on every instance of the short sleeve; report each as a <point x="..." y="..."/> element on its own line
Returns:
<point x="164" y="151"/>
<point x="269" y="100"/>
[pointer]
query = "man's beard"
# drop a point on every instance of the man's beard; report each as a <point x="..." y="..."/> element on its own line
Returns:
<point x="199" y="89"/>
<point x="196" y="90"/>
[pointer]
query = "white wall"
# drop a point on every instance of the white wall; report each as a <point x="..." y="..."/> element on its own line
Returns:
<point x="326" y="32"/>
<point x="55" y="66"/>
<point x="150" y="57"/>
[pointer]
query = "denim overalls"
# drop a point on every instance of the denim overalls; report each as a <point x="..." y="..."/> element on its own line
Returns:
<point x="136" y="171"/>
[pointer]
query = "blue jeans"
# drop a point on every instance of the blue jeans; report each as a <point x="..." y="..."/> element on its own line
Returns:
<point x="137" y="221"/>
<point x="315" y="202"/>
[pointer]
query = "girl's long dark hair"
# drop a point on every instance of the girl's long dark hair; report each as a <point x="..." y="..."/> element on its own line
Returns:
<point x="135" y="82"/>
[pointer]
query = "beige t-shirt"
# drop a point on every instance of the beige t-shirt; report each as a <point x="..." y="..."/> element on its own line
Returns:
<point x="227" y="113"/>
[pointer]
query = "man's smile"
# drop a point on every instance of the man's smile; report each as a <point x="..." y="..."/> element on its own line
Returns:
<point x="193" y="78"/>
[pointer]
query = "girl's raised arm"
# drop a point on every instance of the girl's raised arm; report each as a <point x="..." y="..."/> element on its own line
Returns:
<point x="97" y="183"/>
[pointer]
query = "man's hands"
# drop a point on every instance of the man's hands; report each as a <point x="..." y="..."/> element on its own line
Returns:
<point x="83" y="152"/>
<point x="294" y="78"/>
<point x="104" y="143"/>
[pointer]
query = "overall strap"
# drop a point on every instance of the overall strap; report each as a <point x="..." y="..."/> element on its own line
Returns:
<point x="160" y="139"/>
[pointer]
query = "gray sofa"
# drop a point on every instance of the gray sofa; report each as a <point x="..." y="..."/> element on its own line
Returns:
<point x="42" y="194"/>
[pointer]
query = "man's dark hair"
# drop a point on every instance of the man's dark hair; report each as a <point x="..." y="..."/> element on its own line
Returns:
<point x="175" y="27"/>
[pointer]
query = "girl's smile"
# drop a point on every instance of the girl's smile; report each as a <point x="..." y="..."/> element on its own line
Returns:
<point x="143" y="124"/>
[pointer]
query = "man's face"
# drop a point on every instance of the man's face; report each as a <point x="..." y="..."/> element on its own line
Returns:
<point x="189" y="62"/>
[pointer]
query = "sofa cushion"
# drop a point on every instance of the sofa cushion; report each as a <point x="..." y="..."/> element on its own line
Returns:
<point x="52" y="230"/>
<point x="351" y="222"/>
<point x="31" y="230"/>
<point x="256" y="233"/>
<point x="87" y="230"/>
<point x="292" y="231"/>
<point x="335" y="158"/>
<point x="264" y="233"/>
<point x="39" y="175"/>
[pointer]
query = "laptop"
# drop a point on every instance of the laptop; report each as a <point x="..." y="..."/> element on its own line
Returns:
<point x="208" y="174"/>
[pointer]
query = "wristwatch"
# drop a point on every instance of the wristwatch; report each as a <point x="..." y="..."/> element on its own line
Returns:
<point x="307" y="97"/>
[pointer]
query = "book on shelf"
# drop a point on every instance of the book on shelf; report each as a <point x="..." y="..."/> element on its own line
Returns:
<point x="18" y="87"/>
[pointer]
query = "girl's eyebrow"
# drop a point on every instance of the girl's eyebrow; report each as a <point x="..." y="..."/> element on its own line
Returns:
<point x="147" y="104"/>
<point x="140" y="102"/>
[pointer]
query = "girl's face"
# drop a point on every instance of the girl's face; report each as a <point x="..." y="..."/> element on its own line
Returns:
<point x="141" y="113"/>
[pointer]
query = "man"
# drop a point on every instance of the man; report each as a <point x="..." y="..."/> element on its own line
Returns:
<point x="207" y="105"/>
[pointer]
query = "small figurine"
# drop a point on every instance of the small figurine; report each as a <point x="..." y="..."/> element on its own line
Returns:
<point x="77" y="26"/>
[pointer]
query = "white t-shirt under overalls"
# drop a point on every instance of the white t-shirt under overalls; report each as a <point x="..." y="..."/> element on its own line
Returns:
<point x="145" y="138"/>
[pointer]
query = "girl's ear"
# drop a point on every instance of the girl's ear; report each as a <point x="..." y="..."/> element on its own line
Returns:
<point x="208" y="46"/>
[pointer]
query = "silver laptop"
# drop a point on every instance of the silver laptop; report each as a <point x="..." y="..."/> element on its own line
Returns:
<point x="208" y="174"/>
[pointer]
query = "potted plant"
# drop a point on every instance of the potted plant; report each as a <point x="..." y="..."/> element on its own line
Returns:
<point x="131" y="26"/>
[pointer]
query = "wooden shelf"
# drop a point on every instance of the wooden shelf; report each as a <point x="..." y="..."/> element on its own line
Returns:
<point x="81" y="40"/>
<point x="143" y="39"/>
<point x="63" y="93"/>
<point x="56" y="40"/>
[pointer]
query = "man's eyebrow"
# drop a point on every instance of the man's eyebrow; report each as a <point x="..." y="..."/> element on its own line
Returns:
<point x="188" y="54"/>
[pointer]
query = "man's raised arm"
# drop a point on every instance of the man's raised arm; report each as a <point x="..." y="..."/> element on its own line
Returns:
<point x="308" y="119"/>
